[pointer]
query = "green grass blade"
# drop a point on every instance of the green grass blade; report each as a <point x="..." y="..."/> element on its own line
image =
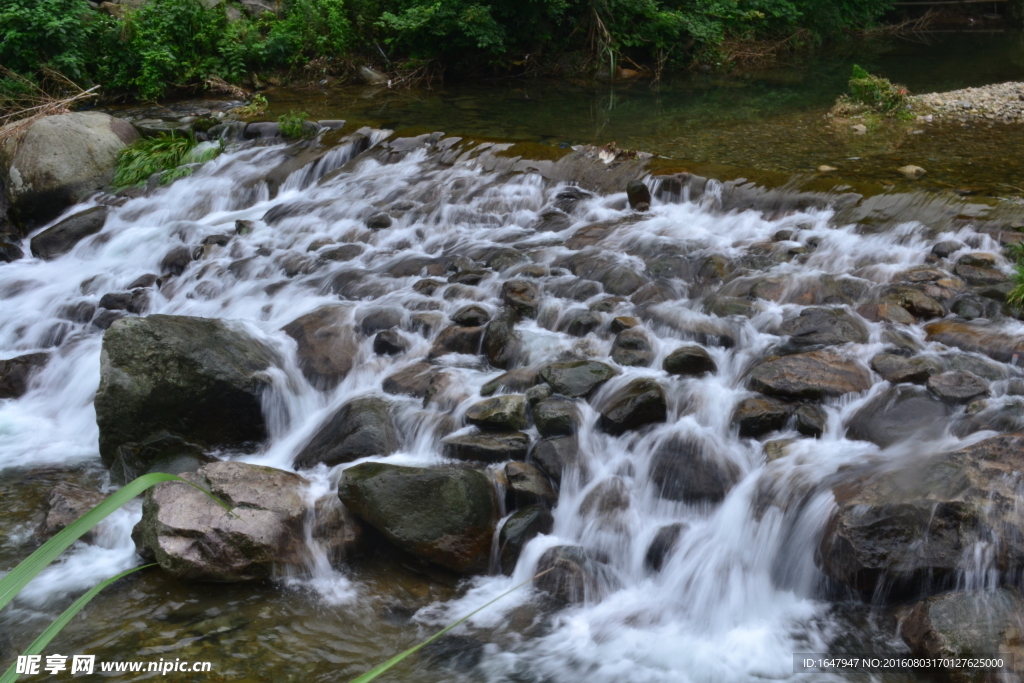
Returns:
<point x="53" y="629"/>
<point x="18" y="577"/>
<point x="381" y="668"/>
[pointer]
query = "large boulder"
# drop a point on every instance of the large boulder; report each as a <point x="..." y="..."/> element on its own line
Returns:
<point x="637" y="404"/>
<point x="576" y="378"/>
<point x="193" y="537"/>
<point x="978" y="338"/>
<point x="59" y="239"/>
<point x="814" y="376"/>
<point x="327" y="345"/>
<point x="59" y="160"/>
<point x="444" y="516"/>
<point x="912" y="528"/>
<point x="899" y="413"/>
<point x="360" y="428"/>
<point x="198" y="378"/>
<point x="686" y="470"/>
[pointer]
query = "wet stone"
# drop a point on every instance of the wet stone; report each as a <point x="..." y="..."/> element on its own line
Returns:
<point x="487" y="447"/>
<point x="522" y="296"/>
<point x="639" y="403"/>
<point x="580" y="323"/>
<point x="554" y="455"/>
<point x="897" y="369"/>
<point x="957" y="386"/>
<point x="527" y="485"/>
<point x="471" y="316"/>
<point x="576" y="379"/>
<point x="662" y="545"/>
<point x="389" y="343"/>
<point x="689" y="360"/>
<point x="556" y="416"/>
<point x="758" y="415"/>
<point x="513" y="381"/>
<point x="632" y="347"/>
<point x="811" y="419"/>
<point x="16" y="372"/>
<point x="685" y="470"/>
<point x="499" y="414"/>
<point x="518" y="530"/>
<point x="623" y="322"/>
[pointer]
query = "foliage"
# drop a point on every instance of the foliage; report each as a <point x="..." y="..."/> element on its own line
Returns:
<point x="877" y="92"/>
<point x="292" y="125"/>
<point x="1015" y="298"/>
<point x="256" y="107"/>
<point x="137" y="162"/>
<point x="47" y="33"/>
<point x="16" y="579"/>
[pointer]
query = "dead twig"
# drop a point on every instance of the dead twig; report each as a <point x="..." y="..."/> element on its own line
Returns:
<point x="26" y="101"/>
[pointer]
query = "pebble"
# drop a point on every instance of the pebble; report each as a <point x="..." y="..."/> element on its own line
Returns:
<point x="826" y="169"/>
<point x="997" y="102"/>
<point x="912" y="172"/>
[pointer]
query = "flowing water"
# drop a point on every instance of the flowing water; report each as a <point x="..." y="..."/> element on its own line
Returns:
<point x="736" y="598"/>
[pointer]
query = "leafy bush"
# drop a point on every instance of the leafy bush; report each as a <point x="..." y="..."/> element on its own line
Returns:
<point x="876" y="92"/>
<point x="47" y="33"/>
<point x="292" y="125"/>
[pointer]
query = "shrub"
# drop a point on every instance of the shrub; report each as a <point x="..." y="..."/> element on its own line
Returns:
<point x="293" y="125"/>
<point x="876" y="92"/>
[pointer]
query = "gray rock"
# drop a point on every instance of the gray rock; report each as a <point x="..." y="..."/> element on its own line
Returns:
<point x="194" y="538"/>
<point x="16" y="372"/>
<point x="501" y="342"/>
<point x="413" y="380"/>
<point x="689" y="360"/>
<point x="638" y="195"/>
<point x="516" y="381"/>
<point x="378" y="221"/>
<point x="9" y="249"/>
<point x="518" y="530"/>
<point x="556" y="454"/>
<point x="327" y="345"/>
<point x="65" y="504"/>
<point x="499" y="414"/>
<point x="472" y="315"/>
<point x="360" y="428"/>
<point x="957" y="386"/>
<point x="487" y="447"/>
<point x="576" y="379"/>
<point x="197" y="378"/>
<point x="457" y="339"/>
<point x="897" y="369"/>
<point x="389" y="343"/>
<point x="632" y="347"/>
<point x="570" y="575"/>
<point x="444" y="516"/>
<point x="946" y="247"/>
<point x="899" y="413"/>
<point x="536" y="394"/>
<point x="580" y="323"/>
<point x="639" y="403"/>
<point x="556" y="416"/>
<point x="811" y="419"/>
<point x="522" y="296"/>
<point x="160" y="452"/>
<point x="662" y="546"/>
<point x="59" y="160"/>
<point x="685" y="470"/>
<point x="527" y="485"/>
<point x="814" y="375"/>
<point x="824" y="327"/>
<point x="379" y="319"/>
<point x="61" y="238"/>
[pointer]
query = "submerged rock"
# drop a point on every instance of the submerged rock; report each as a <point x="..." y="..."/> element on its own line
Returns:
<point x="578" y="378"/>
<point x="61" y="238"/>
<point x="897" y="369"/>
<point x="196" y="378"/>
<point x="360" y="428"/>
<point x="556" y="416"/>
<point x="570" y="575"/>
<point x="527" y="485"/>
<point x="685" y="470"/>
<point x="327" y="345"/>
<point x="192" y="537"/>
<point x="824" y="327"/>
<point x="639" y="403"/>
<point x="662" y="546"/>
<point x="758" y="415"/>
<point x="977" y="338"/>
<point x="632" y="347"/>
<point x="814" y="375"/>
<point x="518" y="530"/>
<point x="444" y="516"/>
<point x="501" y="342"/>
<point x="515" y="381"/>
<point x="911" y="528"/>
<point x="899" y="413"/>
<point x="65" y="504"/>
<point x="957" y="386"/>
<point x="16" y="372"/>
<point x="554" y="455"/>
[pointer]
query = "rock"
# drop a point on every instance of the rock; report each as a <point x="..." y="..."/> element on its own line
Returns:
<point x="59" y="160"/>
<point x="16" y="372"/>
<point x="527" y="485"/>
<point x="638" y="195"/>
<point x="759" y="415"/>
<point x="910" y="528"/>
<point x="65" y="504"/>
<point x="899" y="413"/>
<point x="360" y="428"/>
<point x="552" y="220"/>
<point x="176" y="260"/>
<point x="378" y="221"/>
<point x="370" y="76"/>
<point x="192" y="537"/>
<point x="518" y="530"/>
<point x="973" y="275"/>
<point x="689" y="360"/>
<point x="136" y="302"/>
<point x="623" y="322"/>
<point x="389" y="343"/>
<point x="9" y="250"/>
<point x="976" y="338"/>
<point x="577" y="378"/>
<point x="916" y="302"/>
<point x="891" y="313"/>
<point x="632" y="348"/>
<point x="811" y="420"/>
<point x="499" y="414"/>
<point x="777" y="448"/>
<point x="726" y="306"/>
<point x="912" y="172"/>
<point x="412" y="380"/>
<point x="580" y="323"/>
<point x="662" y="546"/>
<point x="898" y="369"/>
<point x="859" y="129"/>
<point x="457" y="339"/>
<point x="379" y="319"/>
<point x="824" y="327"/>
<point x="104" y="319"/>
<point x="197" y="378"/>
<point x="946" y="248"/>
<point x="554" y="455"/>
<point x="345" y="252"/>
<point x="569" y="575"/>
<point x="61" y="238"/>
<point x="327" y="345"/>
<point x="536" y="394"/>
<point x="515" y="381"/>
<point x="637" y="404"/>
<point x="472" y="315"/>
<point x="160" y="452"/>
<point x="812" y="376"/>
<point x="964" y="624"/>
<point x="445" y="516"/>
<point x="957" y="386"/>
<point x="522" y="296"/>
<point x="501" y="344"/>
<point x="487" y="447"/>
<point x="556" y="416"/>
<point x="825" y="168"/>
<point x="685" y="470"/>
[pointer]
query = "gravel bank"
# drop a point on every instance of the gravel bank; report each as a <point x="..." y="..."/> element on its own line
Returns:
<point x="999" y="102"/>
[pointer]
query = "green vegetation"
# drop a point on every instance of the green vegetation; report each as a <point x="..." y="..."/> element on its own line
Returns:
<point x="876" y="92"/>
<point x="256" y="107"/>
<point x="27" y="569"/>
<point x="292" y="125"/>
<point x="1015" y="298"/>
<point x="164" y="153"/>
<point x="167" y="45"/>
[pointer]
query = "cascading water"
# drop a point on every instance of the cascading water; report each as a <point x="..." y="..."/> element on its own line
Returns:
<point x="737" y="593"/>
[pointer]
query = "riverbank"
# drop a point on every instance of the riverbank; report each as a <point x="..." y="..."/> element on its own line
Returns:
<point x="999" y="102"/>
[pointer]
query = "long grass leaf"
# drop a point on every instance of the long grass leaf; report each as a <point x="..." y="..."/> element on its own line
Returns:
<point x="381" y="668"/>
<point x="53" y="629"/>
<point x="48" y="552"/>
